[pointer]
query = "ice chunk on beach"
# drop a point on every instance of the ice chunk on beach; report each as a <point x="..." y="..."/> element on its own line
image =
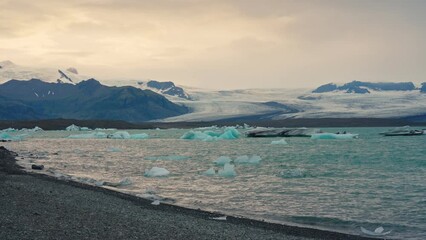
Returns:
<point x="282" y="141"/>
<point x="334" y="136"/>
<point x="156" y="172"/>
<point x="227" y="171"/>
<point x="209" y="172"/>
<point x="223" y="218"/>
<point x="222" y="160"/>
<point x="377" y="232"/>
<point x="247" y="160"/>
<point x="156" y="202"/>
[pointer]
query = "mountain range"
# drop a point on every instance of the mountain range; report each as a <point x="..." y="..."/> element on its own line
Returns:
<point x="89" y="99"/>
<point x="64" y="93"/>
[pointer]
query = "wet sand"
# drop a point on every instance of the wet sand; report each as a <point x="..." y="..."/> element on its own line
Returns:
<point x="36" y="206"/>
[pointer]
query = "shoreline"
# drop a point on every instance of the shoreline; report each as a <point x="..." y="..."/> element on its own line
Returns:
<point x="34" y="195"/>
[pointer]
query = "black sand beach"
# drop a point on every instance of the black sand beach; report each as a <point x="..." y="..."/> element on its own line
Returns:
<point x="35" y="206"/>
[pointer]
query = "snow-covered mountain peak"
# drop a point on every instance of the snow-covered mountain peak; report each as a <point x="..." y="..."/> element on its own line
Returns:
<point x="7" y="63"/>
<point x="9" y="71"/>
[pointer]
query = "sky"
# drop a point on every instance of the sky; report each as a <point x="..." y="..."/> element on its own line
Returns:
<point x="222" y="44"/>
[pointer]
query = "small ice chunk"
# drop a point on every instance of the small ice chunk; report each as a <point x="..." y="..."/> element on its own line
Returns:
<point x="222" y="160"/>
<point x="7" y="137"/>
<point x="156" y="172"/>
<point x="282" y="141"/>
<point x="222" y="218"/>
<point x="227" y="171"/>
<point x="156" y="202"/>
<point x="210" y="172"/>
<point x="247" y="160"/>
<point x="85" y="129"/>
<point x="377" y="232"/>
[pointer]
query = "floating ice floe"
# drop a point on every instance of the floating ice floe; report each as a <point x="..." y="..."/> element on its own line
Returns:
<point x="126" y="135"/>
<point x="227" y="171"/>
<point x="282" y="141"/>
<point x="247" y="160"/>
<point x="229" y="133"/>
<point x="167" y="158"/>
<point x="156" y="172"/>
<point x="222" y="160"/>
<point x="377" y="232"/>
<point x="334" y="136"/>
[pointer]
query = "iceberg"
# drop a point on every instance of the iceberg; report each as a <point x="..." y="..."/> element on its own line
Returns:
<point x="282" y="141"/>
<point x="334" y="136"/>
<point x="222" y="160"/>
<point x="247" y="160"/>
<point x="72" y="127"/>
<point x="227" y="171"/>
<point x="8" y="130"/>
<point x="229" y="133"/>
<point x="5" y="137"/>
<point x="156" y="172"/>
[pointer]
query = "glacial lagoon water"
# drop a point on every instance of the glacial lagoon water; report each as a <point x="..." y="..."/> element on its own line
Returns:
<point x="340" y="185"/>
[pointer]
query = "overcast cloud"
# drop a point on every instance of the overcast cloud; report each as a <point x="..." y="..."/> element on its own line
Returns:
<point x="221" y="44"/>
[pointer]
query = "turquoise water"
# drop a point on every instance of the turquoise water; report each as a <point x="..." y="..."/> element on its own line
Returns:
<point x="338" y="185"/>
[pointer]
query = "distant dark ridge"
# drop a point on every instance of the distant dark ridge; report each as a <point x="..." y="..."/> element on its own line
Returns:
<point x="61" y="124"/>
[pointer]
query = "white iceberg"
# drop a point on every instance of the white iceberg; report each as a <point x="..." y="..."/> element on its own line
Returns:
<point x="222" y="160"/>
<point x="227" y="171"/>
<point x="377" y="232"/>
<point x="282" y="141"/>
<point x="156" y="172"/>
